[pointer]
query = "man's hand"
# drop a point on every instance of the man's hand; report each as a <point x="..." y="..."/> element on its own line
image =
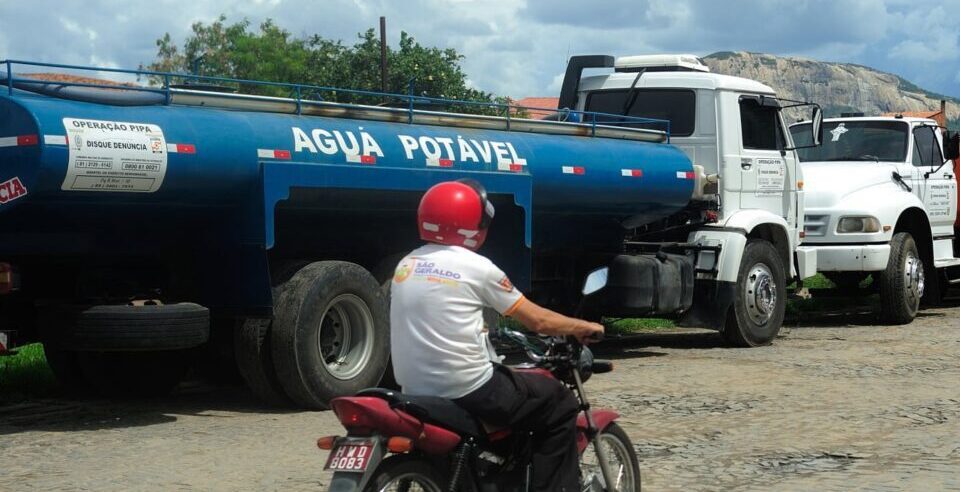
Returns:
<point x="546" y="322"/>
<point x="588" y="332"/>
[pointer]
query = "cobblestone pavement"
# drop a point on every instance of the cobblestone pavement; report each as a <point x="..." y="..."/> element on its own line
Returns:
<point x="834" y="404"/>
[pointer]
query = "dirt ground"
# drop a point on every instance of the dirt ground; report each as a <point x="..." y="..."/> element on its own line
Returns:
<point x="835" y="404"/>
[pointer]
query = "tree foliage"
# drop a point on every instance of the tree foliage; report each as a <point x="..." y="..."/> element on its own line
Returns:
<point x="271" y="53"/>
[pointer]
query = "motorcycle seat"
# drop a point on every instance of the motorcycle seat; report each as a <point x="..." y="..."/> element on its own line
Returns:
<point x="432" y="409"/>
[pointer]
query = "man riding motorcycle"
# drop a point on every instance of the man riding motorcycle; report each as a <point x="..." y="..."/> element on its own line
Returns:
<point x="439" y="345"/>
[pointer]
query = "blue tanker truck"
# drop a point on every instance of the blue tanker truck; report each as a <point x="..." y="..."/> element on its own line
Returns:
<point x="149" y="228"/>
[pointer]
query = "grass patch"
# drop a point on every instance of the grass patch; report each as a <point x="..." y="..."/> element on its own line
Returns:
<point x="633" y="325"/>
<point x="817" y="281"/>
<point x="25" y="373"/>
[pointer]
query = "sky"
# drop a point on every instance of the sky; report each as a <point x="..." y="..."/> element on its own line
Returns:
<point x="519" y="48"/>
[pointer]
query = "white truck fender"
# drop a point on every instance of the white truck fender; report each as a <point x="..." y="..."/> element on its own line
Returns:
<point x="746" y="222"/>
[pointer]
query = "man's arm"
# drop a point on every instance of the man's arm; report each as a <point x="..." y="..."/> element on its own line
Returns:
<point x="546" y="322"/>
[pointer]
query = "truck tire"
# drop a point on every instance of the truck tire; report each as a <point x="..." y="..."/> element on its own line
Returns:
<point x="330" y="334"/>
<point x="216" y="360"/>
<point x="124" y="327"/>
<point x="902" y="282"/>
<point x="383" y="273"/>
<point x="255" y="361"/>
<point x="127" y="373"/>
<point x="935" y="286"/>
<point x="758" y="307"/>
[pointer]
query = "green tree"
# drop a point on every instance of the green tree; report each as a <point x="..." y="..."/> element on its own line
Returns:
<point x="271" y="53"/>
<point x="234" y="51"/>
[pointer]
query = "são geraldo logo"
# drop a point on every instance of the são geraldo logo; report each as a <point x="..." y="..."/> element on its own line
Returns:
<point x="404" y="270"/>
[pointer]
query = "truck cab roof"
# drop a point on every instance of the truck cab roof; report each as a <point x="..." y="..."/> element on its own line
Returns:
<point x="674" y="79"/>
<point x="907" y="119"/>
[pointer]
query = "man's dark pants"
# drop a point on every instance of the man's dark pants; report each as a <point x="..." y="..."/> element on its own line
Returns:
<point x="539" y="404"/>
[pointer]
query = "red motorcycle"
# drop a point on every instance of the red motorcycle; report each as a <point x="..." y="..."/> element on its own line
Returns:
<point x="410" y="443"/>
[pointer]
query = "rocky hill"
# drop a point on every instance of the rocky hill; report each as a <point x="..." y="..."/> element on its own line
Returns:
<point x="838" y="87"/>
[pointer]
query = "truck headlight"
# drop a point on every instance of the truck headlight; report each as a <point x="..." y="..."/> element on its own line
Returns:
<point x="857" y="224"/>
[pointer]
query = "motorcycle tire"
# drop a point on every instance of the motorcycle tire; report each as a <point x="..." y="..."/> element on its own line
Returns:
<point x="402" y="472"/>
<point x="617" y="442"/>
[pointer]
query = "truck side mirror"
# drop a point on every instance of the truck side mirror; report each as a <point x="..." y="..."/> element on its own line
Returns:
<point x="951" y="146"/>
<point x="817" y="126"/>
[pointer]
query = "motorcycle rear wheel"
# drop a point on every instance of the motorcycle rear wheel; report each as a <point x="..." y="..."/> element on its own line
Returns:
<point x="405" y="473"/>
<point x="623" y="463"/>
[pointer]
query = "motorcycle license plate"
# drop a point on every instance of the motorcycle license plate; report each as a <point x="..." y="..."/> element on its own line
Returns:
<point x="350" y="454"/>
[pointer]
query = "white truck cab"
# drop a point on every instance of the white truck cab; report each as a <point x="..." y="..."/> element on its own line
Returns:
<point x="750" y="184"/>
<point x="882" y="201"/>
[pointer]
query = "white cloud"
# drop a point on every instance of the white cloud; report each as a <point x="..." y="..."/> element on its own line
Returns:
<point x="913" y="51"/>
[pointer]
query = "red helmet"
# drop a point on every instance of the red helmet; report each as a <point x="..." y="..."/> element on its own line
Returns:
<point x="455" y="213"/>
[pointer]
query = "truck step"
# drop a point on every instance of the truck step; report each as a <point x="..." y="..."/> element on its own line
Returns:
<point x="946" y="262"/>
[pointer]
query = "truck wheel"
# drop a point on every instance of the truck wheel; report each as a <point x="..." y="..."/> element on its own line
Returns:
<point x="216" y="360"/>
<point x="134" y="373"/>
<point x="252" y="344"/>
<point x="255" y="361"/>
<point x="758" y="307"/>
<point x="331" y="334"/>
<point x="935" y="286"/>
<point x="902" y="282"/>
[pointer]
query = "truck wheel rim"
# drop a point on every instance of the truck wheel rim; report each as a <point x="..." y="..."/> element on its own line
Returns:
<point x="346" y="336"/>
<point x="761" y="294"/>
<point x="914" y="279"/>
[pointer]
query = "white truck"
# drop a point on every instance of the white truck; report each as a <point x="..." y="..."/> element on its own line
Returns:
<point x="882" y="202"/>
<point x="750" y="202"/>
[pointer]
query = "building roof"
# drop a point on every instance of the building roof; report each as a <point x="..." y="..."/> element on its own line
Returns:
<point x="937" y="116"/>
<point x="545" y="106"/>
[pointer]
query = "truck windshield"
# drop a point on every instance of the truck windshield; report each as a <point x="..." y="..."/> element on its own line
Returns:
<point x="679" y="106"/>
<point x="854" y="141"/>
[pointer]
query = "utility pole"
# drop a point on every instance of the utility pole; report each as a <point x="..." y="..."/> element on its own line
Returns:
<point x="383" y="54"/>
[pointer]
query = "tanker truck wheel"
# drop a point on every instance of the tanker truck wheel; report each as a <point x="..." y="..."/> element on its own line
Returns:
<point x="384" y="272"/>
<point x="254" y="359"/>
<point x="758" y="307"/>
<point x="330" y="333"/>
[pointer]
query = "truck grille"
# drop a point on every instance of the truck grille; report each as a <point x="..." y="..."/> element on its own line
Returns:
<point x="815" y="225"/>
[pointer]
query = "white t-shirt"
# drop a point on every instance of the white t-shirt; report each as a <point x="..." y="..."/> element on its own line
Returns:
<point x="436" y="319"/>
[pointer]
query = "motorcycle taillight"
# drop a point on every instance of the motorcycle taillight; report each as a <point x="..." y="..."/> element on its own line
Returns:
<point x="351" y="413"/>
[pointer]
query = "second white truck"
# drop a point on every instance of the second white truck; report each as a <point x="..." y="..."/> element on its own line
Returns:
<point x="881" y="202"/>
<point x="743" y="227"/>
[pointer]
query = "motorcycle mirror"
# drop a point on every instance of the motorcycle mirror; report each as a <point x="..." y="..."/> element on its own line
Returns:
<point x="595" y="281"/>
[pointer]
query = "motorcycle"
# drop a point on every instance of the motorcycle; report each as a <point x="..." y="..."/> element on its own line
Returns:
<point x="411" y="443"/>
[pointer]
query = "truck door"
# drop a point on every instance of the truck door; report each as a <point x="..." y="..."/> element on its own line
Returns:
<point x="933" y="180"/>
<point x="766" y="170"/>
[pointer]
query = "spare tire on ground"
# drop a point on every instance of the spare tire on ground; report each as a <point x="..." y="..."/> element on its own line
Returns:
<point x="127" y="350"/>
<point x="126" y="327"/>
